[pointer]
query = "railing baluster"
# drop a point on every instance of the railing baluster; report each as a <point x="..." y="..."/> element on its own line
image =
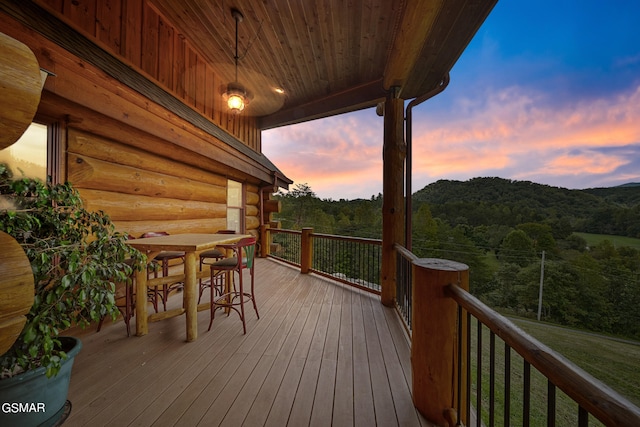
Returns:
<point x="507" y="384"/>
<point x="583" y="417"/>
<point x="459" y="367"/>
<point x="526" y="409"/>
<point x="468" y="373"/>
<point x="492" y="379"/>
<point x="409" y="300"/>
<point x="551" y="404"/>
<point x="479" y="375"/>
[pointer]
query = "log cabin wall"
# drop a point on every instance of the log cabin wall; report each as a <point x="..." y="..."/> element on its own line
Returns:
<point x="136" y="33"/>
<point x="142" y="164"/>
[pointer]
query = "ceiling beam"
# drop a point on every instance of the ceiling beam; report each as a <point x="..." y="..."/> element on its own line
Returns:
<point x="411" y="35"/>
<point x="356" y="98"/>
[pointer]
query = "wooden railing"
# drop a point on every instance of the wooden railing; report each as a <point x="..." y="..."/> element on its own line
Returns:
<point x="591" y="396"/>
<point x="354" y="261"/>
<point x="482" y="382"/>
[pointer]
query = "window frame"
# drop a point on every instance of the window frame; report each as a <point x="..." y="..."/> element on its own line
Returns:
<point x="239" y="209"/>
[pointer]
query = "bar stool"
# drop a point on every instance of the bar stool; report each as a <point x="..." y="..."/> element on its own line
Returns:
<point x="207" y="258"/>
<point x="237" y="297"/>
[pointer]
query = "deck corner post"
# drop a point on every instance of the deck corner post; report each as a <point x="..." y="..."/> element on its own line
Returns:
<point x="434" y="344"/>
<point x="306" y="250"/>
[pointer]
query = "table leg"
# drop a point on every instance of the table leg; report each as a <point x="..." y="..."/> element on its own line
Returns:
<point x="142" y="325"/>
<point x="191" y="295"/>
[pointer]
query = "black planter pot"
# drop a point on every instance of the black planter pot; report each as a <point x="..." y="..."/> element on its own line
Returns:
<point x="31" y="399"/>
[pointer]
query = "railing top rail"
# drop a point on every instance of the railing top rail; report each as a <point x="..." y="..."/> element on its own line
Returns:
<point x="406" y="253"/>
<point x="349" y="238"/>
<point x="284" y="230"/>
<point x="597" y="398"/>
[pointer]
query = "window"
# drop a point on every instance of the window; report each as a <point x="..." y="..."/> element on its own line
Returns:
<point x="38" y="153"/>
<point x="235" y="206"/>
<point x="28" y="156"/>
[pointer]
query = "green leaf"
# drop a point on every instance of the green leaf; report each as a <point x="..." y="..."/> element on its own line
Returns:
<point x="29" y="334"/>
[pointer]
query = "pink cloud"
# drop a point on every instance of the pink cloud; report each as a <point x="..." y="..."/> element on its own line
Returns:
<point x="592" y="163"/>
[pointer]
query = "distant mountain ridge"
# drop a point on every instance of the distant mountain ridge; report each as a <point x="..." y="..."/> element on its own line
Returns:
<point x="487" y="201"/>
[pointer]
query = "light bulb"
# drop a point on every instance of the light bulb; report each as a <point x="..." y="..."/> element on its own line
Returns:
<point x="235" y="102"/>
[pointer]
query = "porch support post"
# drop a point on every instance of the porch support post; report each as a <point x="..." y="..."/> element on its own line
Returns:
<point x="393" y="155"/>
<point x="438" y="393"/>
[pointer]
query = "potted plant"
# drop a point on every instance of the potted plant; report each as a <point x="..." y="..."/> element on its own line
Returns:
<point x="76" y="257"/>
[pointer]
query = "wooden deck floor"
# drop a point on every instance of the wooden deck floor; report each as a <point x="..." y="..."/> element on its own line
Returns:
<point x="320" y="354"/>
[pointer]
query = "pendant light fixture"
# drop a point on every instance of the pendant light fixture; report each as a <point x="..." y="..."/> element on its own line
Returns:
<point x="236" y="95"/>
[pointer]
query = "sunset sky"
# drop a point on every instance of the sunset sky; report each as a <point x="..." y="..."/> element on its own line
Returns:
<point x="547" y="91"/>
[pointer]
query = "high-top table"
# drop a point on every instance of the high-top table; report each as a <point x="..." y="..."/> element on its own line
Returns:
<point x="190" y="244"/>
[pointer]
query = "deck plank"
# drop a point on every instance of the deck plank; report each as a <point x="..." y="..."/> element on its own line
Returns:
<point x="321" y="353"/>
<point x="326" y="382"/>
<point x="382" y="397"/>
<point x="343" y="399"/>
<point x="363" y="410"/>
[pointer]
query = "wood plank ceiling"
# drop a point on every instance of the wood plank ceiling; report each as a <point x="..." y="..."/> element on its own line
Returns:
<point x="329" y="56"/>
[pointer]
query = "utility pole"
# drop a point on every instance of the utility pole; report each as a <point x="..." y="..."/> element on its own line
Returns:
<point x="541" y="281"/>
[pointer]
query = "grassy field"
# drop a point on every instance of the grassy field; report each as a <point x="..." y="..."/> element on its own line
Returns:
<point x="594" y="239"/>
<point x="611" y="361"/>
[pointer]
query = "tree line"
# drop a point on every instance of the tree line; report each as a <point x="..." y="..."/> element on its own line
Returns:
<point x="500" y="228"/>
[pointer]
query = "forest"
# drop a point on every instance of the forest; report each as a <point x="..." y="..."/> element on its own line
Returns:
<point x="502" y="229"/>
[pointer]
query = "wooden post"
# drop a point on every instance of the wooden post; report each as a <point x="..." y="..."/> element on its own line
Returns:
<point x="191" y="295"/>
<point x="142" y="322"/>
<point x="434" y="343"/>
<point x="393" y="155"/>
<point x="265" y="241"/>
<point x="306" y="250"/>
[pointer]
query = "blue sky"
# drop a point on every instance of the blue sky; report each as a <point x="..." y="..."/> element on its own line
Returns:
<point x="547" y="91"/>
